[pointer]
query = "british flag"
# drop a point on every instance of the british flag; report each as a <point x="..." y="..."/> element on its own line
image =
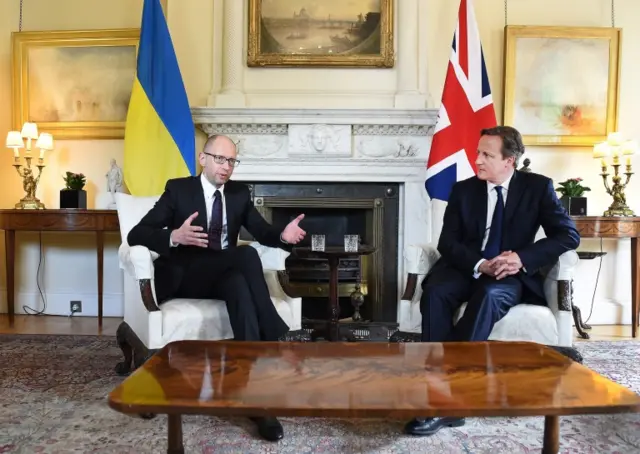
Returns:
<point x="467" y="108"/>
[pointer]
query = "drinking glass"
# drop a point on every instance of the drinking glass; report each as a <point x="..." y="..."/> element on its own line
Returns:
<point x="351" y="243"/>
<point x="317" y="243"/>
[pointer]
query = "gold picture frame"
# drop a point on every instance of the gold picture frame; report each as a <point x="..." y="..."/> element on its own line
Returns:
<point x="561" y="84"/>
<point x="365" y="41"/>
<point x="74" y="84"/>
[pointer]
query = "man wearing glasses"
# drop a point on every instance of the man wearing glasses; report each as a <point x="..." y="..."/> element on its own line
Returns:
<point x="194" y="227"/>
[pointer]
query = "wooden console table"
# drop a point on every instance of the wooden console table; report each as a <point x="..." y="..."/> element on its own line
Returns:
<point x="616" y="227"/>
<point x="67" y="220"/>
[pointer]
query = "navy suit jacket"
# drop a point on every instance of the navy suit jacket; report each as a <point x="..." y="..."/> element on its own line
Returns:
<point x="180" y="199"/>
<point x="531" y="203"/>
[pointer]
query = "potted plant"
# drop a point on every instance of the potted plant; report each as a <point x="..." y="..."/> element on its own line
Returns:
<point x="572" y="198"/>
<point x="73" y="195"/>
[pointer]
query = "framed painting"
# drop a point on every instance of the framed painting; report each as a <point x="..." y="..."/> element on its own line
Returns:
<point x="74" y="84"/>
<point x="357" y="33"/>
<point x="561" y="83"/>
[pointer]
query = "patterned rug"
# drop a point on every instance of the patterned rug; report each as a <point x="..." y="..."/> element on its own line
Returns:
<point x="53" y="400"/>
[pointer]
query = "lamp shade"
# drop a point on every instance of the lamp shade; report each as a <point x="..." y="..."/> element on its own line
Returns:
<point x="614" y="138"/>
<point x="601" y="150"/>
<point x="629" y="147"/>
<point x="45" y="141"/>
<point x="14" y="140"/>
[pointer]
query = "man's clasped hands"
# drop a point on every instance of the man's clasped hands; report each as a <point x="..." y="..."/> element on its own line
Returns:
<point x="506" y="264"/>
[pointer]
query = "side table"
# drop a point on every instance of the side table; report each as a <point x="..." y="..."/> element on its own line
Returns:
<point x="66" y="220"/>
<point x="616" y="227"/>
<point x="332" y="331"/>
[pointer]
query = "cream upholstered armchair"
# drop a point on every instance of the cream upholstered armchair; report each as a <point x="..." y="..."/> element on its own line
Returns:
<point x="551" y="325"/>
<point x="147" y="327"/>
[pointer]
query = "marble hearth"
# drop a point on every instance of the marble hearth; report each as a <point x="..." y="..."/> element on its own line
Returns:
<point x="322" y="146"/>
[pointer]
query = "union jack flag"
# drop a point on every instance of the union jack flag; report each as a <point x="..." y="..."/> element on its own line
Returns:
<point x="467" y="108"/>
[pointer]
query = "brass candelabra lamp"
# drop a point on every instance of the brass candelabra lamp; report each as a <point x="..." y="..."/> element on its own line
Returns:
<point x="616" y="148"/>
<point x="44" y="142"/>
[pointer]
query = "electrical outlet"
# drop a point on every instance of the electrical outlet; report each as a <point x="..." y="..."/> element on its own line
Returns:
<point x="75" y="306"/>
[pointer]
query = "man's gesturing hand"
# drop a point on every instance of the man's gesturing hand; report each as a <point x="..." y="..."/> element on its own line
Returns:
<point x="190" y="235"/>
<point x="292" y="233"/>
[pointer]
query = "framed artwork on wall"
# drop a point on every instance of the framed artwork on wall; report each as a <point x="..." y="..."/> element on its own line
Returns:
<point x="357" y="33"/>
<point x="561" y="84"/>
<point x="74" y="84"/>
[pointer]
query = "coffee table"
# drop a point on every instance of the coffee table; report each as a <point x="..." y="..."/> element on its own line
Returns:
<point x="332" y="330"/>
<point x="367" y="380"/>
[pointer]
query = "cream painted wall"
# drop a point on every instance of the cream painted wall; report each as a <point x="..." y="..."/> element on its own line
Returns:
<point x="69" y="266"/>
<point x="197" y="28"/>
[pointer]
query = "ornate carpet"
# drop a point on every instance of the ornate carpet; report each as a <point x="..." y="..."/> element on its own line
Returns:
<point x="53" y="392"/>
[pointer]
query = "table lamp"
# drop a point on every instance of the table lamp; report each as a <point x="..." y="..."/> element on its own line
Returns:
<point x="44" y="142"/>
<point x="615" y="147"/>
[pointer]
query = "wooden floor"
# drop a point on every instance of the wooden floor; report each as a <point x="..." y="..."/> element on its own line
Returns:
<point x="50" y="324"/>
<point x="47" y="324"/>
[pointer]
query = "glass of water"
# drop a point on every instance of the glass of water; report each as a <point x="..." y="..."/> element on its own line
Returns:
<point x="351" y="243"/>
<point x="317" y="243"/>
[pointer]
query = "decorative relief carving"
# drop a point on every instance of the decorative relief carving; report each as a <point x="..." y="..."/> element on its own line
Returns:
<point x="392" y="130"/>
<point x="406" y="149"/>
<point x="259" y="146"/>
<point x="243" y="128"/>
<point x="320" y="139"/>
<point x="391" y="147"/>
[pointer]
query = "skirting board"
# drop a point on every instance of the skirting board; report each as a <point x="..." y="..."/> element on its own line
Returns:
<point x="58" y="303"/>
<point x="605" y="312"/>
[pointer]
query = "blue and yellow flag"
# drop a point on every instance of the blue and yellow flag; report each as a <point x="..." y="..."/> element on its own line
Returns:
<point x="159" y="141"/>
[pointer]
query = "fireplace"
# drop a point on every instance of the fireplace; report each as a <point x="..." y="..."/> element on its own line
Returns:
<point x="369" y="210"/>
<point x="345" y="161"/>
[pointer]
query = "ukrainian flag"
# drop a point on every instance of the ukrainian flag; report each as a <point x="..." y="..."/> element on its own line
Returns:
<point x="159" y="141"/>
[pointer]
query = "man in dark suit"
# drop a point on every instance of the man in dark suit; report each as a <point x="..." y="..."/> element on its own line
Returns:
<point x="194" y="227"/>
<point x="489" y="256"/>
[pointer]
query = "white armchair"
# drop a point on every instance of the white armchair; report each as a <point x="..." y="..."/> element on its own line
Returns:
<point x="550" y="325"/>
<point x="148" y="326"/>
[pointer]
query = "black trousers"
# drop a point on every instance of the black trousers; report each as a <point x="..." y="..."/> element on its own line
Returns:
<point x="234" y="275"/>
<point x="446" y="289"/>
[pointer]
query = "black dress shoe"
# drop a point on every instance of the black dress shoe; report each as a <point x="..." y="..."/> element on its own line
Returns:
<point x="429" y="426"/>
<point x="269" y="428"/>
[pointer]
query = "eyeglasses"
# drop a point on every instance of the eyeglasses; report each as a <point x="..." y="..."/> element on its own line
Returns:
<point x="221" y="159"/>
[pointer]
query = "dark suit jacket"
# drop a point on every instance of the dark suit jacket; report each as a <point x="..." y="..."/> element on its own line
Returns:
<point x="531" y="203"/>
<point x="181" y="198"/>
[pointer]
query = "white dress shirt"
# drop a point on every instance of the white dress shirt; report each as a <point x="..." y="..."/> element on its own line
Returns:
<point x="209" y="191"/>
<point x="492" y="199"/>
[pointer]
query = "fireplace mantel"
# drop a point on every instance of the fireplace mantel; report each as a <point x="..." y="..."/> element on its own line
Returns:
<point x="212" y="115"/>
<point x="335" y="145"/>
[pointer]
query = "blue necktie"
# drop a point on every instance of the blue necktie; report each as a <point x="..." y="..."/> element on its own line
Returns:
<point x="215" y="227"/>
<point x="494" y="242"/>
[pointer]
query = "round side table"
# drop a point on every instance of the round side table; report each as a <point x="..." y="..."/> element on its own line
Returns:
<point x="332" y="331"/>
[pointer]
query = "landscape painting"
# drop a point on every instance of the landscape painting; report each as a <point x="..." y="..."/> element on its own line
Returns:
<point x="321" y="33"/>
<point x="75" y="84"/>
<point x="561" y="84"/>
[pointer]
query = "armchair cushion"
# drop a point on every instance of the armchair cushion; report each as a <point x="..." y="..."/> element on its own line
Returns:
<point x="549" y="325"/>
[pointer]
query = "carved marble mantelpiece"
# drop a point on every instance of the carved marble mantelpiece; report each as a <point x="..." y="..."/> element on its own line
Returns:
<point x="322" y="134"/>
<point x="327" y="145"/>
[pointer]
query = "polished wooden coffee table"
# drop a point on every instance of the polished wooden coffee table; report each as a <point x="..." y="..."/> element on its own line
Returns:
<point x="367" y="380"/>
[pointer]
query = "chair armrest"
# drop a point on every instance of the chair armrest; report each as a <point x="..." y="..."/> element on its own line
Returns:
<point x="137" y="261"/>
<point x="419" y="259"/>
<point x="565" y="267"/>
<point x="273" y="259"/>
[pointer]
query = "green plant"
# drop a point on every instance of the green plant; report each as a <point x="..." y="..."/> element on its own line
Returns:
<point x="75" y="181"/>
<point x="572" y="188"/>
